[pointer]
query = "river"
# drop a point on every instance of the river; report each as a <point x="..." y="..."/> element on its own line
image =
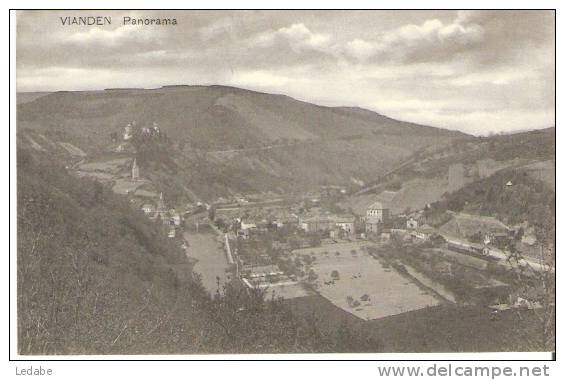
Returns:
<point x="210" y="256"/>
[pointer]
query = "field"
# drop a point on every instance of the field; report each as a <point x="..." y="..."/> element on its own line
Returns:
<point x="415" y="194"/>
<point x="110" y="166"/>
<point x="356" y="282"/>
<point x="73" y="150"/>
<point x="99" y="176"/>
<point x="124" y="186"/>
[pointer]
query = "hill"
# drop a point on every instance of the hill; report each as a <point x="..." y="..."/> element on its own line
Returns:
<point x="430" y="174"/>
<point x="511" y="195"/>
<point x="25" y="97"/>
<point x="228" y="140"/>
<point x="211" y="116"/>
<point x="97" y="277"/>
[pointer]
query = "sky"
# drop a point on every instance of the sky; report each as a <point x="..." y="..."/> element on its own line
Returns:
<point x="475" y="71"/>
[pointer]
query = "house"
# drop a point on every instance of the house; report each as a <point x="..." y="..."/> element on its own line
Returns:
<point x="316" y="224"/>
<point x="148" y="208"/>
<point x="172" y="233"/>
<point x="462" y="246"/>
<point x="376" y="212"/>
<point x="285" y="219"/>
<point x="385" y="237"/>
<point x="375" y="215"/>
<point x="321" y="223"/>
<point x="156" y="129"/>
<point x="499" y="239"/>
<point x="372" y="227"/>
<point x="423" y="233"/>
<point x="176" y="219"/>
<point x="398" y="231"/>
<point x="411" y="223"/>
<point x="346" y="224"/>
<point x="247" y="226"/>
<point x="263" y="272"/>
<point x="161" y="210"/>
<point x="241" y="200"/>
<point x="332" y="191"/>
<point x="244" y="234"/>
<point x="529" y="236"/>
<point x="128" y="132"/>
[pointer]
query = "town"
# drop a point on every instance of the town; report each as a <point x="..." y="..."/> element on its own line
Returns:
<point x="372" y="262"/>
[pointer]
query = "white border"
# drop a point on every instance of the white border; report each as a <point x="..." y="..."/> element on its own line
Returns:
<point x="268" y="371"/>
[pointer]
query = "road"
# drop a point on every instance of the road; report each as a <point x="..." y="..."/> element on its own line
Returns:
<point x="523" y="262"/>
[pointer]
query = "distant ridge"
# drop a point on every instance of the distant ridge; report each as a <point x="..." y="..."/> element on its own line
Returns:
<point x="124" y="89"/>
<point x="239" y="140"/>
<point x="176" y="85"/>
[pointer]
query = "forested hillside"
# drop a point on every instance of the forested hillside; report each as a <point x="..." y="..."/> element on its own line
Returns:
<point x="512" y="195"/>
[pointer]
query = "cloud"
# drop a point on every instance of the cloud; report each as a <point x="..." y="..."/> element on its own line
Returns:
<point x="119" y="36"/>
<point x="497" y="78"/>
<point x="362" y="50"/>
<point x="296" y="36"/>
<point x="217" y="29"/>
<point x="468" y="70"/>
<point x="432" y="40"/>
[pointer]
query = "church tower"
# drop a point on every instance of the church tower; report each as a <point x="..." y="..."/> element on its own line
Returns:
<point x="134" y="170"/>
<point x="161" y="203"/>
<point x="161" y="210"/>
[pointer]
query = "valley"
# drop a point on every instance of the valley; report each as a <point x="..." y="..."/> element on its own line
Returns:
<point x="264" y="195"/>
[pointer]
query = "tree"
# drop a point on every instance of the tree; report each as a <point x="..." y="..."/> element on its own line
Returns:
<point x="541" y="280"/>
<point x="312" y="276"/>
<point x="315" y="241"/>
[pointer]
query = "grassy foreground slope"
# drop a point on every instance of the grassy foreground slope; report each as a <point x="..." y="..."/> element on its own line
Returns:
<point x="442" y="328"/>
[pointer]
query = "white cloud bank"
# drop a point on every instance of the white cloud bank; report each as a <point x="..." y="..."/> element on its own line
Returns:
<point x="476" y="71"/>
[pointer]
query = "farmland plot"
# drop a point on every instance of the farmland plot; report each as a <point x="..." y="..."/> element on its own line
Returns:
<point x="357" y="283"/>
<point x="110" y="166"/>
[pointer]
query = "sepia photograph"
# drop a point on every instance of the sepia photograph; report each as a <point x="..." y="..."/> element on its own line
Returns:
<point x="213" y="182"/>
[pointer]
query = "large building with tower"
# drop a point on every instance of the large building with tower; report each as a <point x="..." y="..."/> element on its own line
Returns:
<point x="376" y="215"/>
